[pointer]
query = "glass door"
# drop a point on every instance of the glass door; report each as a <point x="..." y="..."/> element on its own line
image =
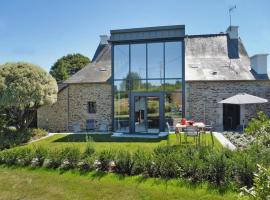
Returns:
<point x="140" y="114"/>
<point x="153" y="114"/>
<point x="146" y="113"/>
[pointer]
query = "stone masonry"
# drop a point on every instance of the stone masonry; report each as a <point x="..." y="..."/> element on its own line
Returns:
<point x="54" y="118"/>
<point x="202" y="99"/>
<point x="70" y="112"/>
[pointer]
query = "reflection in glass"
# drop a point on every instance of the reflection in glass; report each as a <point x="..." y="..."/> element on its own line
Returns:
<point x="146" y="114"/>
<point x="173" y="60"/>
<point x="155" y="85"/>
<point x="153" y="115"/>
<point x="173" y="108"/>
<point x="121" y="112"/>
<point x="155" y="60"/>
<point x="137" y="85"/>
<point x="138" y="59"/>
<point x="121" y="86"/>
<point x="174" y="85"/>
<point x="140" y="114"/>
<point x="147" y="74"/>
<point x="121" y="61"/>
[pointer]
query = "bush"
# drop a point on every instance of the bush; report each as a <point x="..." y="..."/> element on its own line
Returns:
<point x="8" y="157"/>
<point x="87" y="164"/>
<point x="242" y="168"/>
<point x="259" y="127"/>
<point x="89" y="150"/>
<point x="105" y="160"/>
<point x="3" y="121"/>
<point x="37" y="133"/>
<point x="124" y="163"/>
<point x="39" y="156"/>
<point x="142" y="163"/>
<point x="11" y="138"/>
<point x="20" y="156"/>
<point x="261" y="188"/>
<point x="193" y="164"/>
<point x="65" y="159"/>
<point x="69" y="158"/>
<point x="165" y="162"/>
<point x="218" y="168"/>
<point x="53" y="159"/>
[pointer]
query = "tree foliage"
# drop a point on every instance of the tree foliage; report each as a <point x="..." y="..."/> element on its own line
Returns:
<point x="261" y="188"/>
<point x="259" y="127"/>
<point x="68" y="65"/>
<point x="24" y="88"/>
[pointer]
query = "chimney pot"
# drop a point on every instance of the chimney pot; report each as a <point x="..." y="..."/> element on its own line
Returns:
<point x="104" y="39"/>
<point x="233" y="32"/>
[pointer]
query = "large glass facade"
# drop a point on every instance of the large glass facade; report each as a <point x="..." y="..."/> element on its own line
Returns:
<point x="153" y="68"/>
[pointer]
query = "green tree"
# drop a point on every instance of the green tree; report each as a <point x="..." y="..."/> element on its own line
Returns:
<point x="23" y="89"/>
<point x="132" y="82"/>
<point x="68" y="65"/>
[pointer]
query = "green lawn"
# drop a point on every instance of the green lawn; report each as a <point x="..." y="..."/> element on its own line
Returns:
<point x="105" y="141"/>
<point x="40" y="184"/>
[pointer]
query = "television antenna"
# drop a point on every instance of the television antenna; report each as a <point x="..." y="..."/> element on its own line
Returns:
<point x="231" y="9"/>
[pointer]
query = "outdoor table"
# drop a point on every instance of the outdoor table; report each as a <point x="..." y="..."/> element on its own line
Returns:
<point x="200" y="125"/>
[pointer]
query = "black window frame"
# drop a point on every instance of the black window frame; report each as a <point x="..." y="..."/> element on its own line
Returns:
<point x="92" y="107"/>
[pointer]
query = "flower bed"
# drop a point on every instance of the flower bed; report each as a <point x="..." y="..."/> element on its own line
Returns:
<point x="240" y="140"/>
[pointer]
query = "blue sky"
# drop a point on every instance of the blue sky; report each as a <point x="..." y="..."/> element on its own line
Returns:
<point x="41" y="31"/>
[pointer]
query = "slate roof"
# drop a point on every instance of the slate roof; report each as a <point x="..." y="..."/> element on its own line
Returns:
<point x="207" y="58"/>
<point x="61" y="86"/>
<point x="98" y="71"/>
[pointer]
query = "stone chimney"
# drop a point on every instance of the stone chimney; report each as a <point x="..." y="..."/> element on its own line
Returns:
<point x="259" y="63"/>
<point x="233" y="32"/>
<point x="232" y="42"/>
<point x="104" y="39"/>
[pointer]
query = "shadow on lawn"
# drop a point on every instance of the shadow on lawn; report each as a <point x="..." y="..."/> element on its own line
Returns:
<point x="104" y="138"/>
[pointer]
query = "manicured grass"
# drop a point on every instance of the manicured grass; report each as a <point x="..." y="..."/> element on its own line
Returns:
<point x="105" y="141"/>
<point x="39" y="184"/>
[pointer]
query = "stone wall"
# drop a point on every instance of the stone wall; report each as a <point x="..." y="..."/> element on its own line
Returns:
<point x="80" y="95"/>
<point x="70" y="112"/>
<point x="202" y="99"/>
<point x="54" y="118"/>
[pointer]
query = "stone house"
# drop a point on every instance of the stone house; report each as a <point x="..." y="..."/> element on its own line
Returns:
<point x="140" y="79"/>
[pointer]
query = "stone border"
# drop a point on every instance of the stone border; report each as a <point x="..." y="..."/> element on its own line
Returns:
<point x="224" y="141"/>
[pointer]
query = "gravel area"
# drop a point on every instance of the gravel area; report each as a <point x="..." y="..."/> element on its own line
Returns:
<point x="240" y="140"/>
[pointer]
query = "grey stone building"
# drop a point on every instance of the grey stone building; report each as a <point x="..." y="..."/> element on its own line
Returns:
<point x="140" y="79"/>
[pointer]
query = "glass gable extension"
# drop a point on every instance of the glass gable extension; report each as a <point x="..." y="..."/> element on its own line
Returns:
<point x="154" y="68"/>
<point x="148" y="84"/>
